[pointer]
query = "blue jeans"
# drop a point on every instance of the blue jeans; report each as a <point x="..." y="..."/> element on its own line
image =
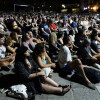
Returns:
<point x="45" y="36"/>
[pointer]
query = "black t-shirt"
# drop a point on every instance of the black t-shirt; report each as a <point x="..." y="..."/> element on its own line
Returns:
<point x="27" y="28"/>
<point x="45" y="27"/>
<point x="79" y="37"/>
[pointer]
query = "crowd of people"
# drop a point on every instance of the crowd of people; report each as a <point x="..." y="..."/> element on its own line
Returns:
<point x="38" y="43"/>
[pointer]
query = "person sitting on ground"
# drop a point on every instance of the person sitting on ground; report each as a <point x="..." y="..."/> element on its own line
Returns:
<point x="2" y="25"/>
<point x="53" y="48"/>
<point x="10" y="45"/>
<point x="60" y="37"/>
<point x="6" y="59"/>
<point x="16" y="38"/>
<point x="44" y="29"/>
<point x="94" y="39"/>
<point x="94" y="31"/>
<point x="88" y="55"/>
<point x="52" y="26"/>
<point x="66" y="25"/>
<point x="72" y="35"/>
<point x="34" y="23"/>
<point x="42" y="58"/>
<point x="27" y="42"/>
<point x="67" y="64"/>
<point x="37" y="37"/>
<point x="14" y="26"/>
<point x="27" y="25"/>
<point x="32" y="38"/>
<point x="75" y="24"/>
<point x="79" y="37"/>
<point x="33" y="77"/>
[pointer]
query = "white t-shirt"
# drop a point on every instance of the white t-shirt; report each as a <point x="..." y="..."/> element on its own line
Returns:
<point x="1" y="27"/>
<point x="64" y="56"/>
<point x="72" y="37"/>
<point x="71" y="21"/>
<point x="85" y="23"/>
<point x="2" y="52"/>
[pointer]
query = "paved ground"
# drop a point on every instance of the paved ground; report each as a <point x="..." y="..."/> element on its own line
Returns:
<point x="77" y="92"/>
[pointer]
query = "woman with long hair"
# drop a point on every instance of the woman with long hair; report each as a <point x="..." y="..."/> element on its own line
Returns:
<point x="43" y="59"/>
<point x="53" y="48"/>
<point x="27" y="42"/>
<point x="10" y="45"/>
<point x="34" y="78"/>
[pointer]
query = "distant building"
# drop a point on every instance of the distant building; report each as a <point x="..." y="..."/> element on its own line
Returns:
<point x="93" y="5"/>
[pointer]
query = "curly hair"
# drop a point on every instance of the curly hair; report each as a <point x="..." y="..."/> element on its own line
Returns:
<point x="13" y="35"/>
<point x="39" y="49"/>
<point x="8" y="40"/>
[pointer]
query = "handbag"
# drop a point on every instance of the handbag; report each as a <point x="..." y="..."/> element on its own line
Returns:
<point x="18" y="91"/>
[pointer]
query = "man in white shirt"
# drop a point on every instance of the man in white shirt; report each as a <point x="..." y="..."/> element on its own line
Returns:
<point x="67" y="64"/>
<point x="64" y="56"/>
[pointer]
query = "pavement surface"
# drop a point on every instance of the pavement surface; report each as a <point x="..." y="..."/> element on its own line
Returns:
<point x="77" y="92"/>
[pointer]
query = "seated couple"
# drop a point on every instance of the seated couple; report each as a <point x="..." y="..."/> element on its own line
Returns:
<point x="68" y="65"/>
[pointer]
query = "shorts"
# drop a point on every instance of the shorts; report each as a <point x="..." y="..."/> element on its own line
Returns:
<point x="66" y="69"/>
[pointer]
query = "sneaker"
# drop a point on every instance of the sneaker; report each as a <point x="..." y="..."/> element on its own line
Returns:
<point x="91" y="86"/>
<point x="96" y="65"/>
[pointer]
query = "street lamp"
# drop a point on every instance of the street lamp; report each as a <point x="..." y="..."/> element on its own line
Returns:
<point x="63" y="6"/>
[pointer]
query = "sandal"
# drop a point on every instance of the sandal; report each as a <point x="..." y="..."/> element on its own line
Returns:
<point x="63" y="86"/>
<point x="65" y="89"/>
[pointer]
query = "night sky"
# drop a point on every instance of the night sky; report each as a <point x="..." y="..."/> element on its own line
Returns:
<point x="55" y="4"/>
<point x="8" y="4"/>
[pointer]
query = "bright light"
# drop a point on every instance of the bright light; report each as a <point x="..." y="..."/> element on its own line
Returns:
<point x="74" y="9"/>
<point x="95" y="8"/>
<point x="88" y="7"/>
<point x="91" y="8"/>
<point x="85" y="8"/>
<point x="50" y="6"/>
<point x="63" y="6"/>
<point x="42" y="5"/>
<point x="64" y="10"/>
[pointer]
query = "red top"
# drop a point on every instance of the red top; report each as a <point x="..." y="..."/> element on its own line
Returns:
<point x="52" y="26"/>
